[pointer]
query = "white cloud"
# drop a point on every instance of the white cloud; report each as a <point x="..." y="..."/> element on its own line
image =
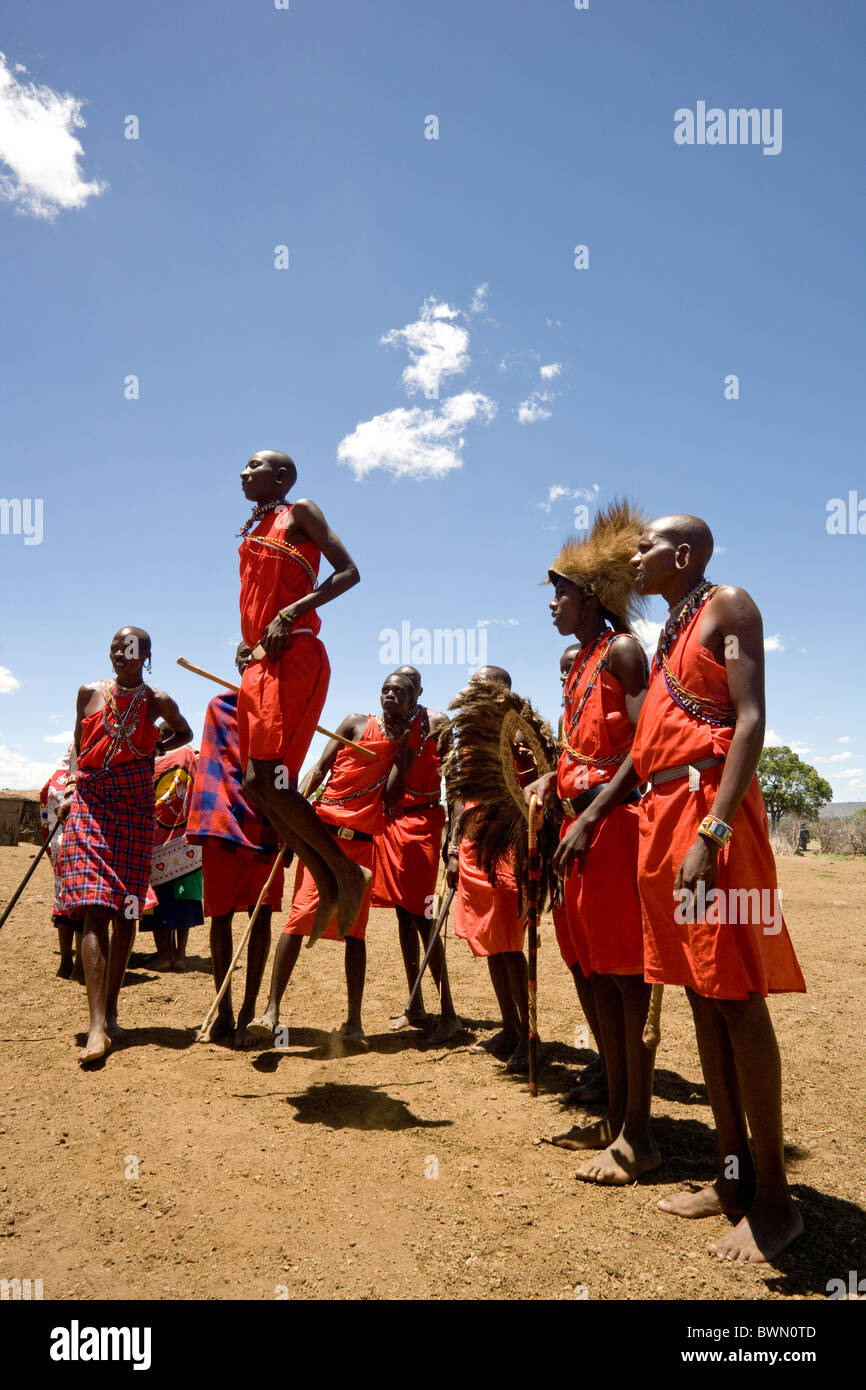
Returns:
<point x="415" y="443"/>
<point x="553" y="323"/>
<point x="772" y="740"/>
<point x="550" y="370"/>
<point x="65" y="738"/>
<point x="774" y="643"/>
<point x="799" y="748"/>
<point x="534" y="408"/>
<point x="437" y="347"/>
<point x="19" y="773"/>
<point x="846" y="738"/>
<point x="647" y="633"/>
<point x="557" y="491"/>
<point x="479" y="299"/>
<point x="849" y="773"/>
<point x="497" y="622"/>
<point x="38" y="146"/>
<point x="7" y="681"/>
<point x="835" y="758"/>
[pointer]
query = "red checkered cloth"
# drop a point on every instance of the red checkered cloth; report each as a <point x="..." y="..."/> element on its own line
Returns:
<point x="218" y="808"/>
<point x="108" y="840"/>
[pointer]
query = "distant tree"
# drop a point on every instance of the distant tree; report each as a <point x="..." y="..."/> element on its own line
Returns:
<point x="790" y="786"/>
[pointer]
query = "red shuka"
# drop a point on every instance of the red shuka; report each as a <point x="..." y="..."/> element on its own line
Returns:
<point x="720" y="959"/>
<point x="486" y="915"/>
<point x="352" y="798"/>
<point x="408" y="849"/>
<point x="598" y="925"/>
<point x="281" y="701"/>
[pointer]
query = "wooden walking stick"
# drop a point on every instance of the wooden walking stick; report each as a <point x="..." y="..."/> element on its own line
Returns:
<point x="230" y="685"/>
<point x="532" y="944"/>
<point x="434" y="937"/>
<point x="652" y="1028"/>
<point x="29" y="874"/>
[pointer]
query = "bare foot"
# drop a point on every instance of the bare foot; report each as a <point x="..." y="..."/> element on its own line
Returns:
<point x="518" y="1062"/>
<point x="764" y="1232"/>
<point x="445" y="1030"/>
<point x="98" y="1045"/>
<point x="694" y="1205"/>
<point x="397" y="1022"/>
<point x="325" y="911"/>
<point x="500" y="1044"/>
<point x="264" y="1027"/>
<point x="621" y="1163"/>
<point x="115" y="1032"/>
<point x="78" y="972"/>
<point x="65" y="969"/>
<point x="157" y="963"/>
<point x="597" y="1136"/>
<point x="244" y="1036"/>
<point x="351" y="899"/>
<point x="353" y="1033"/>
<point x="219" y="1026"/>
<point x="179" y="965"/>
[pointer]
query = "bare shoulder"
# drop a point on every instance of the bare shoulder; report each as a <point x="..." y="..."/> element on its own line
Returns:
<point x="730" y="604"/>
<point x="438" y="720"/>
<point x="304" y="510"/>
<point x="627" y="658"/>
<point x="353" y="725"/>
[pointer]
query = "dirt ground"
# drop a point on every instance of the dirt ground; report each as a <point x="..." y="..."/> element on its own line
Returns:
<point x="401" y="1173"/>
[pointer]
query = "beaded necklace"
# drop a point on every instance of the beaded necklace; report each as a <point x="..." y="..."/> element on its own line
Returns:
<point x="124" y="722"/>
<point x="259" y="511"/>
<point x="715" y="712"/>
<point x="681" y="615"/>
<point x="569" y="734"/>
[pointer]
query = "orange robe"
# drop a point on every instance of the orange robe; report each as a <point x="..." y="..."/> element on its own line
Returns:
<point x="598" y="925"/>
<point x="280" y="702"/>
<point x="486" y="914"/>
<point x="720" y="959"/>
<point x="408" y="849"/>
<point x="352" y="800"/>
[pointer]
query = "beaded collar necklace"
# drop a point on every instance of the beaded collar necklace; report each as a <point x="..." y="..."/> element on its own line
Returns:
<point x="124" y="723"/>
<point x="388" y="729"/>
<point x="260" y="511"/>
<point x="680" y="616"/>
<point x="606" y="632"/>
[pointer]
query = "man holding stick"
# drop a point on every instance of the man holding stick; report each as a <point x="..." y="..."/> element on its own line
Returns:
<point x="408" y="857"/>
<point x="284" y="686"/>
<point x="349" y="810"/>
<point x="237" y="847"/>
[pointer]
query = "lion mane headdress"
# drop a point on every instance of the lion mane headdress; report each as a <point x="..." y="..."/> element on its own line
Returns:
<point x="599" y="563"/>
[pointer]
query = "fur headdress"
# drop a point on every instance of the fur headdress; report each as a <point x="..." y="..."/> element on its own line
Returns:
<point x="599" y="564"/>
<point x="479" y="765"/>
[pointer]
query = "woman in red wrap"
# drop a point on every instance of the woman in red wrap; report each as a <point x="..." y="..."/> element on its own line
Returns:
<point x="711" y="914"/>
<point x="599" y="927"/>
<point x="350" y="813"/>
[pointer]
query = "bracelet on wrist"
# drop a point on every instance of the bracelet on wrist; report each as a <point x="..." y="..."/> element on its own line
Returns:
<point x="715" y="830"/>
<point x="453" y="849"/>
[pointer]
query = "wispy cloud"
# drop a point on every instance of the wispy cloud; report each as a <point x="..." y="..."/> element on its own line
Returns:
<point x="8" y="681"/>
<point x="774" y="643"/>
<point x="437" y="346"/>
<point x="534" y="408"/>
<point x="497" y="622"/>
<point x="557" y="492"/>
<point x="64" y="738"/>
<point x="479" y="299"/>
<point x="647" y="633"/>
<point x="845" y="738"/>
<point x="21" y="773"/>
<point x="550" y="370"/>
<point x="415" y="443"/>
<point x="835" y="758"/>
<point x="39" y="148"/>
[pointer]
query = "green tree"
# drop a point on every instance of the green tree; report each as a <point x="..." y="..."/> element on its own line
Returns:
<point x="790" y="786"/>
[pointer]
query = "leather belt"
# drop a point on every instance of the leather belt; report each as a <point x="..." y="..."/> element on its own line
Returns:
<point x="670" y="774"/>
<point x="345" y="832"/>
<point x="573" y="806"/>
<point x="412" y="810"/>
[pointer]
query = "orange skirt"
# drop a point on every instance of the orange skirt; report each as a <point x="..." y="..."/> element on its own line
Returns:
<point x="281" y="703"/>
<point x="599" y="923"/>
<point x="306" y="898"/>
<point x="486" y="915"/>
<point x="234" y="876"/>
<point x="407" y="861"/>
<point x="741" y="946"/>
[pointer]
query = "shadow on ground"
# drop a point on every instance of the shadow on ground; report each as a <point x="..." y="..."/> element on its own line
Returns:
<point x="356" y="1107"/>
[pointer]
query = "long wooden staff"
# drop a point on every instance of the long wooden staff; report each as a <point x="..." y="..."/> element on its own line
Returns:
<point x="434" y="937"/>
<point x="29" y="874"/>
<point x="229" y="685"/>
<point x="652" y="1028"/>
<point x="532" y="944"/>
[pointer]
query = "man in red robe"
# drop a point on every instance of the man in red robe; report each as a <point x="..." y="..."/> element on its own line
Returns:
<point x="711" y="913"/>
<point x="408" y="855"/>
<point x="283" y="689"/>
<point x="349" y="811"/>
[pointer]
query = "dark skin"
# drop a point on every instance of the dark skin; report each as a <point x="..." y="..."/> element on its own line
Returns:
<point x="258" y="949"/>
<point x="104" y="965"/>
<point x="267" y="477"/>
<point x="508" y="969"/>
<point x="414" y="931"/>
<point x="620" y="1001"/>
<point x="736" y="1041"/>
<point x="566" y="661"/>
<point x="397" y="698"/>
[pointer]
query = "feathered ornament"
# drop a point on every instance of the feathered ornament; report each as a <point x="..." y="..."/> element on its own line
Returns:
<point x="600" y="563"/>
<point x="495" y="745"/>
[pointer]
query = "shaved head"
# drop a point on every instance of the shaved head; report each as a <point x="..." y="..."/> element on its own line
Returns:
<point x="280" y="460"/>
<point x="414" y="676"/>
<point x="492" y="673"/>
<point x="690" y="531"/>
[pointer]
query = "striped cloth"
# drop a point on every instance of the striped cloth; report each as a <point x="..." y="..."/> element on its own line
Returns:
<point x="108" y="840"/>
<point x="219" y="810"/>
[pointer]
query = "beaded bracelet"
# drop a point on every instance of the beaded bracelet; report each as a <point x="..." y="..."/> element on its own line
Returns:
<point x="453" y="849"/>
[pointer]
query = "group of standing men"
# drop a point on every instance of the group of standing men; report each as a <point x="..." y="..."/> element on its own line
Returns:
<point x="637" y="871"/>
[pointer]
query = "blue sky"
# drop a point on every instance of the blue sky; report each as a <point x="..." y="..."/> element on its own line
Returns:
<point x="305" y="128"/>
